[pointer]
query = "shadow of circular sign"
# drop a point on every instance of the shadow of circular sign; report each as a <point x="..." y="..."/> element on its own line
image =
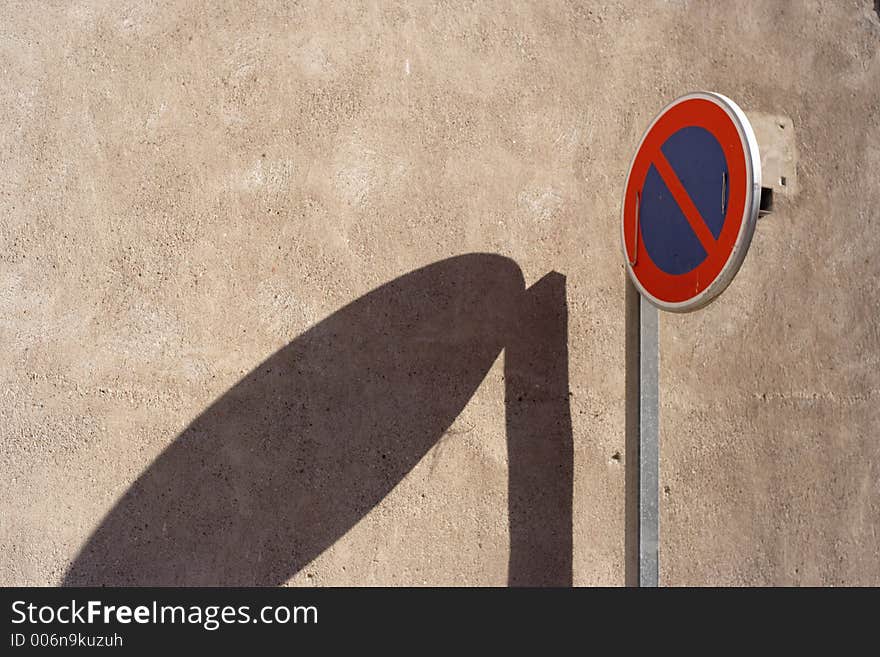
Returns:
<point x="297" y="452"/>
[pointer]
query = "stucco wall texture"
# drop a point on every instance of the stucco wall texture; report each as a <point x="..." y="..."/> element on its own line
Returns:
<point x="189" y="189"/>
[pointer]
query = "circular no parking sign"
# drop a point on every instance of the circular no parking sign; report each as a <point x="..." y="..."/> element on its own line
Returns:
<point x="691" y="202"/>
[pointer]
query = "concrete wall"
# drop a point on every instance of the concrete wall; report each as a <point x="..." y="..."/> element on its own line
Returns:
<point x="188" y="192"/>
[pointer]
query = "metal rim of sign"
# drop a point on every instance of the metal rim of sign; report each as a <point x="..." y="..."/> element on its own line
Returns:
<point x="747" y="221"/>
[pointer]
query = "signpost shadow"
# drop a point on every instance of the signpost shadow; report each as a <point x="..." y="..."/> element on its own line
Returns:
<point x="298" y="451"/>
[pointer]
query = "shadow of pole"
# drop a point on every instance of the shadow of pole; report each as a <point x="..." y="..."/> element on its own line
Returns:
<point x="631" y="441"/>
<point x="303" y="447"/>
<point x="539" y="438"/>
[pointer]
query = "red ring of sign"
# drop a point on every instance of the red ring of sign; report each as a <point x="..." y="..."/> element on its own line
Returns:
<point x="671" y="288"/>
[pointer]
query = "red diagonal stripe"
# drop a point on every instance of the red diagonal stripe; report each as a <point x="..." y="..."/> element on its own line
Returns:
<point x="679" y="193"/>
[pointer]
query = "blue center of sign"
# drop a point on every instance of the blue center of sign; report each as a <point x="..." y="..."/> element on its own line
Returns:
<point x="698" y="161"/>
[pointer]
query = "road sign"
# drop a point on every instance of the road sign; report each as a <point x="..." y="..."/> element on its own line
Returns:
<point x="691" y="202"/>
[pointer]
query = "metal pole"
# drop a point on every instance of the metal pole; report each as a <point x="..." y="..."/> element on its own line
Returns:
<point x="649" y="444"/>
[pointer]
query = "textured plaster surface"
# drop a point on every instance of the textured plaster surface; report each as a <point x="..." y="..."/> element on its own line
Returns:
<point x="189" y="188"/>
